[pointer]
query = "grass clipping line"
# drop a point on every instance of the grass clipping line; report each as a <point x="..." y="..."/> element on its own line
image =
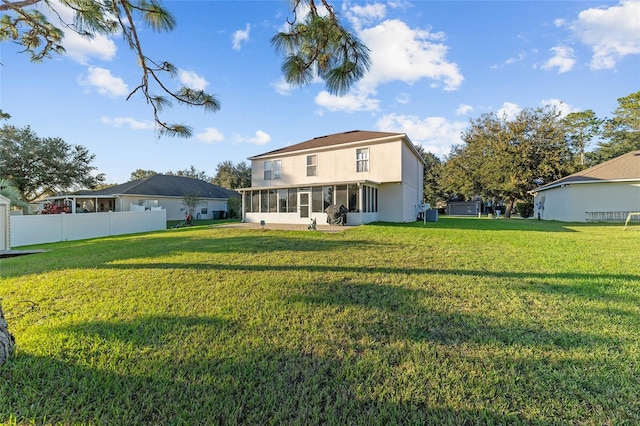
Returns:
<point x="7" y="342"/>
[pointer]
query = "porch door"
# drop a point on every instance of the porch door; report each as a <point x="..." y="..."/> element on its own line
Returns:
<point x="304" y="204"/>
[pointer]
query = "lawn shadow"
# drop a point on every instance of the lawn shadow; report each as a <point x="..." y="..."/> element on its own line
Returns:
<point x="407" y="318"/>
<point x="102" y="252"/>
<point x="484" y="224"/>
<point x="587" y="285"/>
<point x="248" y="385"/>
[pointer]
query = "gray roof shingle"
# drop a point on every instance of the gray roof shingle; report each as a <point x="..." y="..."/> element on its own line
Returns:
<point x="624" y="167"/>
<point x="166" y="186"/>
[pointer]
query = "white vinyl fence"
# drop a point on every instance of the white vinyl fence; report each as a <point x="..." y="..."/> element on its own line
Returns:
<point x="50" y="228"/>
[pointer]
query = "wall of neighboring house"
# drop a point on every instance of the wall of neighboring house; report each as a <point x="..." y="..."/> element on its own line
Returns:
<point x="174" y="207"/>
<point x="573" y="202"/>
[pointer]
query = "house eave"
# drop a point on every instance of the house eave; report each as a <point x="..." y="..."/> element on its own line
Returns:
<point x="579" y="182"/>
<point x="304" y="185"/>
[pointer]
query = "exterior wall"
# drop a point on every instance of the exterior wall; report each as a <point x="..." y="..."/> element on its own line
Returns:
<point x="334" y="165"/>
<point x="392" y="164"/>
<point x="5" y="223"/>
<point x="571" y="202"/>
<point x="412" y="184"/>
<point x="390" y="204"/>
<point x="173" y="206"/>
<point x="39" y="229"/>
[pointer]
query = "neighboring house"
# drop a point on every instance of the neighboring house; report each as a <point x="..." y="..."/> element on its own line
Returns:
<point x="605" y="192"/>
<point x="376" y="176"/>
<point x="154" y="192"/>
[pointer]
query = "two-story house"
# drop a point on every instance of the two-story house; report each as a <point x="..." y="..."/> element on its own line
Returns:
<point x="376" y="176"/>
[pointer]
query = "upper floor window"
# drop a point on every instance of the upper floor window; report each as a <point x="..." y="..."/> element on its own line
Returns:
<point x="362" y="160"/>
<point x="272" y="169"/>
<point x="312" y="165"/>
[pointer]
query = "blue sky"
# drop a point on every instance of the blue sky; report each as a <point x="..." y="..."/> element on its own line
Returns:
<point x="435" y="66"/>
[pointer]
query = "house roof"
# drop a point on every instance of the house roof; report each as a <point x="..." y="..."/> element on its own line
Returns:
<point x="166" y="186"/>
<point x="623" y="168"/>
<point x="334" y="139"/>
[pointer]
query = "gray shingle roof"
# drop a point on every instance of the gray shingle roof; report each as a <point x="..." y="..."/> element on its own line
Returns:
<point x="166" y="186"/>
<point x="625" y="167"/>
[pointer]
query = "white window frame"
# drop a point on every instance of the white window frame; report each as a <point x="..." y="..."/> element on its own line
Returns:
<point x="272" y="169"/>
<point x="313" y="166"/>
<point x="362" y="160"/>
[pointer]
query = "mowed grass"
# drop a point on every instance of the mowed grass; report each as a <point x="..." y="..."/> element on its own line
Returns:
<point x="463" y="321"/>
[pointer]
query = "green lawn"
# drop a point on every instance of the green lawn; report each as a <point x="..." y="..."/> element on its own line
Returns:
<point x="463" y="321"/>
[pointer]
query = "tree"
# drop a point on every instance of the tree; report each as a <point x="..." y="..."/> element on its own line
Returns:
<point x="232" y="176"/>
<point x="316" y="44"/>
<point x="191" y="172"/>
<point x="191" y="202"/>
<point x="432" y="167"/>
<point x="141" y="174"/>
<point x="11" y="192"/>
<point x="40" y="166"/>
<point x="7" y="342"/>
<point x="621" y="134"/>
<point x="581" y="127"/>
<point x="500" y="158"/>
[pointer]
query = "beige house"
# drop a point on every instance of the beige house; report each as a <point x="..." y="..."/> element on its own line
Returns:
<point x="605" y="192"/>
<point x="376" y="176"/>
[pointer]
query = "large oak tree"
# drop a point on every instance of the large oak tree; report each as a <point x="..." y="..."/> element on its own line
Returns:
<point x="501" y="156"/>
<point x="44" y="166"/>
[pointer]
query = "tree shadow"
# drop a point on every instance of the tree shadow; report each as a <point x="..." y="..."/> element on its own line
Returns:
<point x="587" y="285"/>
<point x="98" y="254"/>
<point x="484" y="224"/>
<point x="251" y="385"/>
<point x="406" y="318"/>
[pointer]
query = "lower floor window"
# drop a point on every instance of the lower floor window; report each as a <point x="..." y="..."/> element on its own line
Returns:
<point x="355" y="198"/>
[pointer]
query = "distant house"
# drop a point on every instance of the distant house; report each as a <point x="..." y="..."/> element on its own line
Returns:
<point x="605" y="192"/>
<point x="154" y="192"/>
<point x="376" y="176"/>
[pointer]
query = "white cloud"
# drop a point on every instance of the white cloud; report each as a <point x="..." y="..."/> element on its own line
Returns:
<point x="352" y="102"/>
<point x="104" y="83"/>
<point x="193" y="80"/>
<point x="282" y="87"/>
<point x="132" y="123"/>
<point x="361" y="15"/>
<point x="260" y="138"/>
<point x="612" y="33"/>
<point x="563" y="59"/>
<point x="464" y="109"/>
<point x="77" y="48"/>
<point x="403" y="98"/>
<point x="564" y="108"/>
<point x="240" y="36"/>
<point x="435" y="134"/>
<point x="518" y="58"/>
<point x="509" y="111"/>
<point x="210" y="135"/>
<point x="400" y="53"/>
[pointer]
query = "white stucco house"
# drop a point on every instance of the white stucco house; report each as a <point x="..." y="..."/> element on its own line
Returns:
<point x="605" y="192"/>
<point x="153" y="192"/>
<point x="376" y="176"/>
